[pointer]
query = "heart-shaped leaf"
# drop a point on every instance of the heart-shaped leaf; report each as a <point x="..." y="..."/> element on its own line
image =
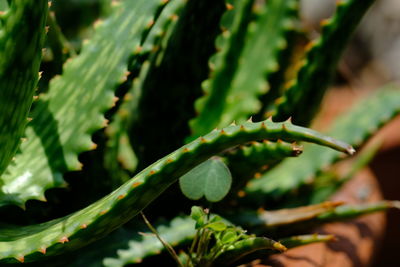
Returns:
<point x="211" y="179"/>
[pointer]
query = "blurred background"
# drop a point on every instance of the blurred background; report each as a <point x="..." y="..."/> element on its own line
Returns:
<point x="371" y="60"/>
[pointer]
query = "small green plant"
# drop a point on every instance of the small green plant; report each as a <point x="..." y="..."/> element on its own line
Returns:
<point x="218" y="242"/>
<point x="163" y="91"/>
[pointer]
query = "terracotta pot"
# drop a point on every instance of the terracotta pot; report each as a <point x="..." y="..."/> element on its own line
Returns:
<point x="357" y="240"/>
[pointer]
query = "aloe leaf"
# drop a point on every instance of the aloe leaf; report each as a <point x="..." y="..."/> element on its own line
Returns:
<point x="303" y="97"/>
<point x="346" y="212"/>
<point x="302" y="240"/>
<point x="119" y="157"/>
<point x="245" y="247"/>
<point x="60" y="129"/>
<point x="126" y="246"/>
<point x="224" y="64"/>
<point x="360" y="123"/>
<point x="100" y="218"/>
<point x="57" y="51"/>
<point x="287" y="61"/>
<point x="289" y="242"/>
<point x="24" y="23"/>
<point x="3" y="7"/>
<point x="248" y="161"/>
<point x="129" y="246"/>
<point x="276" y="218"/>
<point x="174" y="76"/>
<point x="211" y="179"/>
<point x="295" y="220"/>
<point x="234" y="88"/>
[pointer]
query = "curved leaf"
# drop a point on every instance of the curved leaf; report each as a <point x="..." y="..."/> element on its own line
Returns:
<point x="110" y="212"/>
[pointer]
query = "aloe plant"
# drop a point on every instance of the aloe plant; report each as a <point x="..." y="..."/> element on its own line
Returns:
<point x="160" y="92"/>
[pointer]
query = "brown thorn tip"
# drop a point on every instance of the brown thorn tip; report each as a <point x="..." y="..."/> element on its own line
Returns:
<point x="64" y="239"/>
<point x="241" y="193"/>
<point x="169" y="160"/>
<point x="152" y="172"/>
<point x="103" y="212"/>
<point x="185" y="150"/>
<point x="222" y="132"/>
<point x="83" y="226"/>
<point x="138" y="49"/>
<point x="20" y="259"/>
<point x="202" y="139"/>
<point x="229" y="6"/>
<point x="260" y="210"/>
<point x="174" y="17"/>
<point x="263" y="125"/>
<point x="136" y="184"/>
<point x="42" y="250"/>
<point x="105" y="123"/>
<point x="241" y="127"/>
<point x="151" y="23"/>
<point x="121" y="196"/>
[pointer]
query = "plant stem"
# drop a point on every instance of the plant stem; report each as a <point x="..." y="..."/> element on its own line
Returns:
<point x="169" y="248"/>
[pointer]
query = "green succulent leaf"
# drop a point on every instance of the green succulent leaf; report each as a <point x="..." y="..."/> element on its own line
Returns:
<point x="301" y="240"/>
<point x="281" y="217"/>
<point x="230" y="43"/>
<point x="246" y="57"/>
<point x="355" y="127"/>
<point x="97" y="220"/>
<point x="245" y="247"/>
<point x="211" y="179"/>
<point x="250" y="160"/>
<point x="3" y="7"/>
<point x="24" y="23"/>
<point x="60" y="129"/>
<point x="289" y="221"/>
<point x="119" y="157"/>
<point x="130" y="246"/>
<point x="303" y="97"/>
<point x="174" y="75"/>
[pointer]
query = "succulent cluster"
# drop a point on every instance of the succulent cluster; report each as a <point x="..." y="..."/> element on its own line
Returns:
<point x="161" y="91"/>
